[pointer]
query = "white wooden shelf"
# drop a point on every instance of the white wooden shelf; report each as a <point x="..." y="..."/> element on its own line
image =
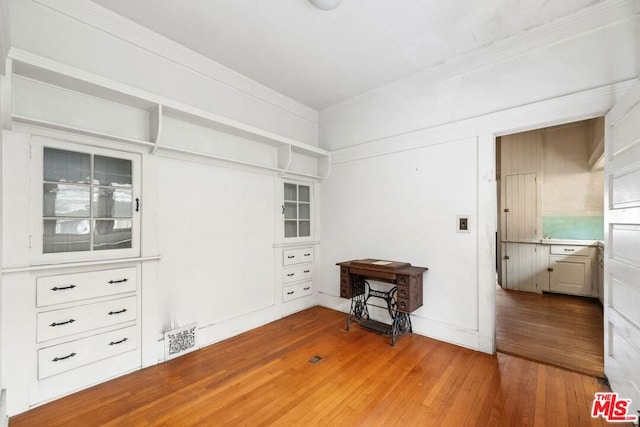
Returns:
<point x="40" y="69"/>
<point x="16" y="118"/>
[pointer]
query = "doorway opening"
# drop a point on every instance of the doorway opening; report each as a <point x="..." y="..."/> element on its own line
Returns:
<point x="549" y="254"/>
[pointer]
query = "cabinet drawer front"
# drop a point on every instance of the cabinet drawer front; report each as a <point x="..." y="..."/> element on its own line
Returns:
<point x="73" y="320"/>
<point x="64" y="357"/>
<point x="297" y="256"/>
<point x="78" y="286"/>
<point x="298" y="290"/>
<point x="569" y="250"/>
<point x="299" y="272"/>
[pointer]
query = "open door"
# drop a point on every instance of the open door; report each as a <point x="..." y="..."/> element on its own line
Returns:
<point x="622" y="248"/>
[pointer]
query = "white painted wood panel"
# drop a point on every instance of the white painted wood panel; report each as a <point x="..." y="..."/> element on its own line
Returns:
<point x="520" y="207"/>
<point x="68" y="321"/>
<point x="625" y="188"/>
<point x="70" y="355"/>
<point x="622" y="247"/>
<point x="570" y="275"/>
<point x="63" y="288"/>
<point x="525" y="267"/>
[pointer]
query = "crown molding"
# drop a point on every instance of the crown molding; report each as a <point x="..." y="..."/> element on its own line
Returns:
<point x="577" y="106"/>
<point x="104" y="20"/>
<point x="590" y="19"/>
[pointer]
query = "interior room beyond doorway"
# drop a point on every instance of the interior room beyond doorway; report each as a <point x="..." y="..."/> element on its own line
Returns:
<point x="550" y="249"/>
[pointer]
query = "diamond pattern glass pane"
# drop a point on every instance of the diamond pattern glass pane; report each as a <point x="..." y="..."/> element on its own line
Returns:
<point x="109" y="202"/>
<point x="66" y="166"/>
<point x="65" y="235"/>
<point x="112" y="234"/>
<point x="108" y="171"/>
<point x="63" y="200"/>
<point x="303" y="193"/>
<point x="290" y="192"/>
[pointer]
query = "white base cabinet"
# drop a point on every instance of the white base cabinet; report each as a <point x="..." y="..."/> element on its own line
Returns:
<point x="73" y="327"/>
<point x="534" y="267"/>
<point x="297" y="267"/>
<point x="570" y="275"/>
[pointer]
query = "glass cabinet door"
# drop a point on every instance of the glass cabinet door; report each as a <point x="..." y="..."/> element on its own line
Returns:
<point x="297" y="210"/>
<point x="88" y="201"/>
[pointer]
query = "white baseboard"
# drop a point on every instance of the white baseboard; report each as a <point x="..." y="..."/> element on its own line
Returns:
<point x="4" y="418"/>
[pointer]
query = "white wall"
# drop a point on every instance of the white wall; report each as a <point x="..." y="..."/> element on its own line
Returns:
<point x="403" y="166"/>
<point x="570" y="188"/>
<point x="216" y="229"/>
<point x="391" y="207"/>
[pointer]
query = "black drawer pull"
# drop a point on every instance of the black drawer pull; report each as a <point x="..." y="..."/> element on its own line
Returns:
<point x="291" y="256"/>
<point x="111" y="282"/>
<point x="291" y="274"/>
<point x="62" y="288"/>
<point x="111" y="313"/>
<point x="307" y="288"/>
<point x="290" y="293"/>
<point x="307" y="271"/>
<point x="63" y="323"/>
<point x="118" y="342"/>
<point x="307" y="254"/>
<point x="57" y="359"/>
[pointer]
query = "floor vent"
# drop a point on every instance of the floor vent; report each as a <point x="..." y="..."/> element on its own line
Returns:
<point x="315" y="359"/>
<point x="180" y="341"/>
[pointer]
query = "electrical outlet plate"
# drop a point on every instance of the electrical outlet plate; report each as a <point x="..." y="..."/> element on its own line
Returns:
<point x="463" y="223"/>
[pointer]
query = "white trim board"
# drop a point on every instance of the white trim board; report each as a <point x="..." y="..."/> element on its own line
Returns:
<point x="518" y="119"/>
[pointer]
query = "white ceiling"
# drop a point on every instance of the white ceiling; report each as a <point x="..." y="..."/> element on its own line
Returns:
<point x="320" y="58"/>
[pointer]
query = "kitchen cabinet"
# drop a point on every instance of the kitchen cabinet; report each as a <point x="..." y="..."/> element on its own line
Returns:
<point x="570" y="270"/>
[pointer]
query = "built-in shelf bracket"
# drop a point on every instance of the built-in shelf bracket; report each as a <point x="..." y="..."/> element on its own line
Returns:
<point x="155" y="127"/>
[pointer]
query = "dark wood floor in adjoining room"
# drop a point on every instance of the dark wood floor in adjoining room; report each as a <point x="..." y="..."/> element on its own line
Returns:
<point x="264" y="377"/>
<point x="562" y="330"/>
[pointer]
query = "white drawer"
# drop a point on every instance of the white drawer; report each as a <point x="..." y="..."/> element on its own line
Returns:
<point x="298" y="272"/>
<point x="73" y="320"/>
<point x="297" y="290"/>
<point x="569" y="250"/>
<point x="78" y="286"/>
<point x="297" y="256"/>
<point x="64" y="357"/>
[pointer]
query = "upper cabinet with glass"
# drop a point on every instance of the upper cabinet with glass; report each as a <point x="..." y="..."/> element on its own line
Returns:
<point x="90" y="206"/>
<point x="297" y="210"/>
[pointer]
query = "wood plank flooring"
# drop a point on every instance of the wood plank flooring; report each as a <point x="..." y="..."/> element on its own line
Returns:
<point x="264" y="377"/>
<point x="562" y="330"/>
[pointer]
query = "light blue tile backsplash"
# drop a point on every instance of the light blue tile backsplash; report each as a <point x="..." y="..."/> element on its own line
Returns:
<point x="573" y="227"/>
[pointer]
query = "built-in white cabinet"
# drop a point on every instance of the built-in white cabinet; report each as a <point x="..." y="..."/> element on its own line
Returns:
<point x="297" y="277"/>
<point x="540" y="267"/>
<point x="86" y="202"/>
<point x="297" y="210"/>
<point x="570" y="269"/>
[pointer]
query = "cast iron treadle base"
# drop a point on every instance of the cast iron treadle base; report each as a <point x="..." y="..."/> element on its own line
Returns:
<point x="375" y="326"/>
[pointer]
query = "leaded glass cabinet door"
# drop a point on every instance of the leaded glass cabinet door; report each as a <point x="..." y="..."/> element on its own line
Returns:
<point x="297" y="210"/>
<point x="90" y="205"/>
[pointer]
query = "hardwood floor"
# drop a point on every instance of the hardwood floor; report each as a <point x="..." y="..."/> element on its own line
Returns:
<point x="264" y="377"/>
<point x="562" y="330"/>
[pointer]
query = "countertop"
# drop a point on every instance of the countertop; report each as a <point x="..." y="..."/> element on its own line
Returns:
<point x="569" y="242"/>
